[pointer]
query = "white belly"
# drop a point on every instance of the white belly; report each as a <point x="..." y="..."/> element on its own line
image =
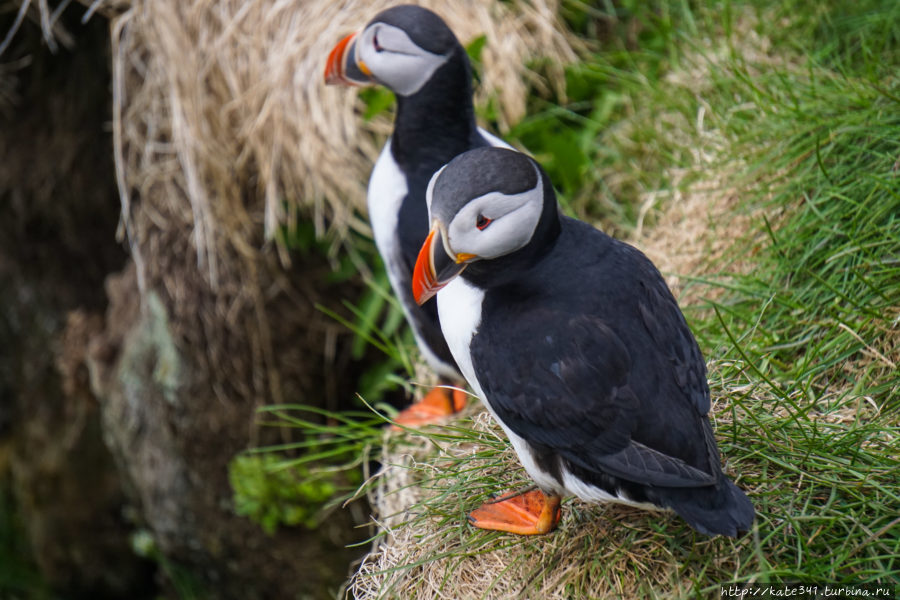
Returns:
<point x="459" y="307"/>
<point x="387" y="189"/>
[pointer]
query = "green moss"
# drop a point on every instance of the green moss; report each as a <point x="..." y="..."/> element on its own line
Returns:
<point x="273" y="496"/>
<point x="151" y="346"/>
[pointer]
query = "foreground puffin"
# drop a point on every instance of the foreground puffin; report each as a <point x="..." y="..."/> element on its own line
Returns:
<point x="412" y="52"/>
<point x="576" y="346"/>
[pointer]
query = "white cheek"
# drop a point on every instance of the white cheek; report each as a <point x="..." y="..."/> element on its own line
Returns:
<point x="518" y="216"/>
<point x="508" y="234"/>
<point x="404" y="71"/>
<point x="405" y="74"/>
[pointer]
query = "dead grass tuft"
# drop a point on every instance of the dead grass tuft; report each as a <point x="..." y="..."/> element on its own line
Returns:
<point x="693" y="232"/>
<point x="430" y="551"/>
<point x="206" y="90"/>
<point x="221" y="104"/>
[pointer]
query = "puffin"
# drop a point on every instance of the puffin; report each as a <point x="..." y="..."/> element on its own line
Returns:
<point x="576" y="346"/>
<point x="412" y="52"/>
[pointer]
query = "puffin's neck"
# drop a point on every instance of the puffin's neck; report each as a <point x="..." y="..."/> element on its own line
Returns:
<point x="437" y="122"/>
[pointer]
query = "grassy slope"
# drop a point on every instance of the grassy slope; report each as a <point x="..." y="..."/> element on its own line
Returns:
<point x="805" y="341"/>
<point x="788" y="121"/>
<point x="802" y="335"/>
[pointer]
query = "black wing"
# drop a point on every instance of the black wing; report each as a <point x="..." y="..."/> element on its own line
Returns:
<point x="566" y="384"/>
<point x="672" y="337"/>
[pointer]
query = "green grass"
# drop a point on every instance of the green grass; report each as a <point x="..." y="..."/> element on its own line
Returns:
<point x="800" y="110"/>
<point x="808" y="333"/>
<point x="827" y="274"/>
<point x="605" y="144"/>
<point x="802" y="333"/>
<point x="300" y="482"/>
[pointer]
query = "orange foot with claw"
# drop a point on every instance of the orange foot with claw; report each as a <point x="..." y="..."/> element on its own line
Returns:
<point x="530" y="513"/>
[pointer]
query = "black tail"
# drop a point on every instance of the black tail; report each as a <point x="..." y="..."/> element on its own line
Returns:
<point x="720" y="510"/>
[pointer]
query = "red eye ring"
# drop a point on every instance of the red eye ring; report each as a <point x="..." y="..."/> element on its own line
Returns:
<point x="482" y="221"/>
<point x="378" y="47"/>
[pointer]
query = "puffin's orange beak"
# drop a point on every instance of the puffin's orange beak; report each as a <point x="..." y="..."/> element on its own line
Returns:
<point x="424" y="283"/>
<point x="339" y="72"/>
<point x="334" y="69"/>
<point x="434" y="267"/>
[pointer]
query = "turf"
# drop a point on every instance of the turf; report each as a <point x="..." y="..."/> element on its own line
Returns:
<point x="787" y="117"/>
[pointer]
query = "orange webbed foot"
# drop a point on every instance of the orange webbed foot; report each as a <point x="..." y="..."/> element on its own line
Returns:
<point x="530" y="513"/>
<point x="440" y="402"/>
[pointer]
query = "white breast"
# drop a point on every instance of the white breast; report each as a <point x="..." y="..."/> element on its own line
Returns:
<point x="387" y="189"/>
<point x="459" y="307"/>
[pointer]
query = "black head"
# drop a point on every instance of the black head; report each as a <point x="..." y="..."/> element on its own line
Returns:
<point x="427" y="30"/>
<point x="489" y="206"/>
<point x="477" y="173"/>
<point x="401" y="48"/>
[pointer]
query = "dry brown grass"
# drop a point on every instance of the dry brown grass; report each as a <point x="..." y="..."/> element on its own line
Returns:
<point x="692" y="233"/>
<point x="611" y="550"/>
<point x="224" y="130"/>
<point x="207" y="89"/>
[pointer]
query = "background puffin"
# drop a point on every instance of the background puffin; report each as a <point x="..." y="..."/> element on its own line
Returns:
<point x="412" y="52"/>
<point x="577" y="347"/>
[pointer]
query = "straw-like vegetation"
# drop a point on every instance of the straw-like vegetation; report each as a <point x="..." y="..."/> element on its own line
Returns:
<point x="262" y="91"/>
<point x="226" y="134"/>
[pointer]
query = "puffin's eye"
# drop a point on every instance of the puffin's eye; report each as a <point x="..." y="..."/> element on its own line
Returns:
<point x="378" y="47"/>
<point x="482" y="221"/>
